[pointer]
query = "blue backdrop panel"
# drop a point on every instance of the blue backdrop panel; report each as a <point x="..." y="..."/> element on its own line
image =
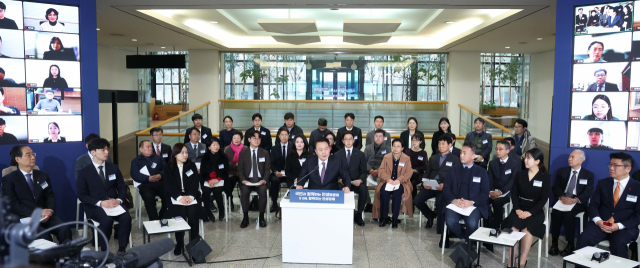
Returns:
<point x="59" y="159"/>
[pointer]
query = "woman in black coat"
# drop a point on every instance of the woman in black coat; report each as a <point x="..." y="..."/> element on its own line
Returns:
<point x="529" y="195"/>
<point x="412" y="129"/>
<point x="295" y="160"/>
<point x="443" y="127"/>
<point x="182" y="184"/>
<point x="215" y="168"/>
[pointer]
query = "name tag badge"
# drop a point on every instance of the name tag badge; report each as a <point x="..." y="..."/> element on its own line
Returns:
<point x="112" y="177"/>
<point x="165" y="155"/>
<point x="154" y="165"/>
<point x="484" y="142"/>
<point x="401" y="164"/>
<point x="385" y="138"/>
<point x="420" y="158"/>
<point x="355" y="138"/>
<point x="632" y="198"/>
<point x="583" y="182"/>
<point x="44" y="185"/>
<point x="537" y="183"/>
<point x="476" y="179"/>
<point x="384" y="152"/>
<point x="189" y="173"/>
<point x="202" y="151"/>
<point x="204" y="136"/>
<point x="293" y="136"/>
<point x="221" y="166"/>
<point x="263" y="133"/>
<point x="261" y="159"/>
<point x="449" y="164"/>
<point x="507" y="172"/>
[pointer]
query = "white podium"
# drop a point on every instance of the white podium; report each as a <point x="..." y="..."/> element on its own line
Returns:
<point x="318" y="233"/>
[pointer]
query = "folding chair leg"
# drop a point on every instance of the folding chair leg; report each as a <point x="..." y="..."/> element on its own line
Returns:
<point x="95" y="240"/>
<point x="202" y="229"/>
<point x="420" y="221"/>
<point x="540" y="251"/>
<point x="444" y="237"/>
<point x="130" y="241"/>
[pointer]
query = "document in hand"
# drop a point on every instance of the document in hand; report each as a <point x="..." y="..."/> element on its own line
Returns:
<point x="144" y="171"/>
<point x="392" y="187"/>
<point x="175" y="202"/>
<point x="114" y="211"/>
<point x="432" y="183"/>
<point x="563" y="207"/>
<point x="505" y="194"/>
<point x="27" y="220"/>
<point x="219" y="184"/>
<point x="253" y="184"/>
<point x="462" y="211"/>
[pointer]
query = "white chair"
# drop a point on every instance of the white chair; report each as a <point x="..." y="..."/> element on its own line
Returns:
<point x="431" y="203"/>
<point x="138" y="207"/>
<point x="444" y="234"/>
<point x="254" y="193"/>
<point x="95" y="233"/>
<point x="605" y="243"/>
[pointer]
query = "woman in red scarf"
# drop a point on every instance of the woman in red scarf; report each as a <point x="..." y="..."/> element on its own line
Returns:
<point x="233" y="152"/>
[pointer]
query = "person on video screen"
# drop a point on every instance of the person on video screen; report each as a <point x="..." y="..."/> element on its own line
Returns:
<point x="594" y="18"/>
<point x="6" y="138"/>
<point x="601" y="83"/>
<point x="51" y="24"/>
<point x="627" y="19"/>
<point x="57" y="51"/>
<point x="54" y="80"/>
<point x="54" y="134"/>
<point x="615" y="18"/>
<point x="595" y="139"/>
<point x="49" y="104"/>
<point x="581" y="21"/>
<point x="601" y="109"/>
<point x="7" y="82"/>
<point x="7" y="110"/>
<point x="2" y="55"/>
<point x="594" y="51"/>
<point x="6" y="23"/>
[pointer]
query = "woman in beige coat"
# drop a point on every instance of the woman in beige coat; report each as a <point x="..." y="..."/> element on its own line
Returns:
<point x="395" y="170"/>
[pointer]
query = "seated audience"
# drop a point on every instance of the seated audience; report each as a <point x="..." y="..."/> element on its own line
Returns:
<point x="253" y="167"/>
<point x="374" y="153"/>
<point x="205" y="132"/>
<point x="378" y="121"/>
<point x="349" y="119"/>
<point x="147" y="170"/>
<point x="195" y="148"/>
<point x="278" y="158"/>
<point x="292" y="129"/>
<point x="356" y="165"/>
<point x="86" y="159"/>
<point x="295" y="159"/>
<point x="419" y="162"/>
<point x="233" y="154"/>
<point x="483" y="142"/>
<point x="395" y="170"/>
<point x="214" y="170"/>
<point x="159" y="148"/>
<point x="444" y="127"/>
<point x="265" y="135"/>
<point x="226" y="133"/>
<point x="412" y="129"/>
<point x="321" y="131"/>
<point x="522" y="137"/>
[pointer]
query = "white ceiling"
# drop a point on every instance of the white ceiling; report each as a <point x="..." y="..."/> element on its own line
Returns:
<point x="185" y="25"/>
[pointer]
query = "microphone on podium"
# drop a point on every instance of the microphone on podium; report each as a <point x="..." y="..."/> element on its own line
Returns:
<point x="286" y="195"/>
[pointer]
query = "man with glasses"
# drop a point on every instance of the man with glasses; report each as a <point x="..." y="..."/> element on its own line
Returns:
<point x="614" y="208"/>
<point x="159" y="148"/>
<point x="601" y="83"/>
<point x="483" y="142"/>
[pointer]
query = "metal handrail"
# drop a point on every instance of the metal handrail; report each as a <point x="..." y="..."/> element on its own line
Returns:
<point x="146" y="131"/>
<point x="485" y="119"/>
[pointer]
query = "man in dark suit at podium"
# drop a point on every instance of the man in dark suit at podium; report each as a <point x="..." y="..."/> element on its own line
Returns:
<point x="329" y="170"/>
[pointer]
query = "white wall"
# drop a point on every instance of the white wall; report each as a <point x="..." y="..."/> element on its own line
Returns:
<point x="204" y="83"/>
<point x="541" y="95"/>
<point x="113" y="75"/>
<point x="464" y="85"/>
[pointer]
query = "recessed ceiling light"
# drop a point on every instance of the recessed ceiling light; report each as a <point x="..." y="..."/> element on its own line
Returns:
<point x="97" y="29"/>
<point x="213" y="21"/>
<point x="162" y="47"/>
<point x="449" y="22"/>
<point x="134" y="40"/>
<point x="334" y="8"/>
<point x="507" y="47"/>
<point x="539" y="38"/>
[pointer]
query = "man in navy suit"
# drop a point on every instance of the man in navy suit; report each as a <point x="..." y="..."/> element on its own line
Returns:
<point x="466" y="185"/>
<point x="502" y="171"/>
<point x="330" y="170"/>
<point x="614" y="208"/>
<point x="100" y="185"/>
<point x="27" y="188"/>
<point x="573" y="185"/>
<point x="278" y="158"/>
<point x="356" y="165"/>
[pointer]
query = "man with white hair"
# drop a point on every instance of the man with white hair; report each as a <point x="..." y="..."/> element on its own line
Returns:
<point x="573" y="186"/>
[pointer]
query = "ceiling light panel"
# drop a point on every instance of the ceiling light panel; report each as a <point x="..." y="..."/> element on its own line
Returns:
<point x="297" y="39"/>
<point x="371" y="26"/>
<point x="288" y="26"/>
<point x="365" y="40"/>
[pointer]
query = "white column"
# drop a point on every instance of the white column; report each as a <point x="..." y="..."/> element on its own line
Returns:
<point x="541" y="96"/>
<point x="464" y="85"/>
<point x="204" y="83"/>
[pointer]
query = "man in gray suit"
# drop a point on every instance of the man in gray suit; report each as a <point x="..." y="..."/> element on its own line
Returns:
<point x="195" y="149"/>
<point x="254" y="168"/>
<point x="378" y="121"/>
<point x="374" y="153"/>
<point x="86" y="159"/>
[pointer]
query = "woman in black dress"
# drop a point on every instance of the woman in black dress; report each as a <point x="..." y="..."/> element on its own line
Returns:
<point x="412" y="129"/>
<point x="58" y="52"/>
<point x="627" y="19"/>
<point x="419" y="161"/>
<point x="443" y="127"/>
<point x="215" y="168"/>
<point x="182" y="184"/>
<point x="55" y="80"/>
<point x="295" y="160"/>
<point x="529" y="195"/>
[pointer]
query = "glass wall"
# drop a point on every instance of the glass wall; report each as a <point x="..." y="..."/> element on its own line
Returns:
<point x="368" y="77"/>
<point x="503" y="78"/>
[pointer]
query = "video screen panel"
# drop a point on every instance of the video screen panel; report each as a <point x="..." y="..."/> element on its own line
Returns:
<point x="605" y="85"/>
<point x="40" y="77"/>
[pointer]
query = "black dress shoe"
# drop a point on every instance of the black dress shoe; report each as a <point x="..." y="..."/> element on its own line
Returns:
<point x="245" y="223"/>
<point x="274" y="207"/>
<point x="211" y="218"/>
<point x="429" y="223"/>
<point x="177" y="250"/>
<point x="394" y="224"/>
<point x="367" y="208"/>
<point x="262" y="223"/>
<point x="383" y="222"/>
<point x="568" y="250"/>
<point x="553" y="251"/>
<point x="221" y="216"/>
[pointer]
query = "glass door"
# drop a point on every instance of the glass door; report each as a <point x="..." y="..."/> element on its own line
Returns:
<point x="335" y="84"/>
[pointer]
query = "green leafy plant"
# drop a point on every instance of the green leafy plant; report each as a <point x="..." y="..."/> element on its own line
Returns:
<point x="489" y="105"/>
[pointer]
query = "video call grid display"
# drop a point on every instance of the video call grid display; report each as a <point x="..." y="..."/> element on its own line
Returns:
<point x="41" y="96"/>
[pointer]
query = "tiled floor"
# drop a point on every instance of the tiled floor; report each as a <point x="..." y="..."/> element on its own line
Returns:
<point x="408" y="246"/>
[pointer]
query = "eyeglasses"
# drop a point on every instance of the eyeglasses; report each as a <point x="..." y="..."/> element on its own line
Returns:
<point x="601" y="75"/>
<point x="615" y="166"/>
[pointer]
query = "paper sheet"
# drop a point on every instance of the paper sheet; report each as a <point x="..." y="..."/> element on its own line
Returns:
<point x="114" y="211"/>
<point x="42" y="244"/>
<point x="27" y="220"/>
<point x="588" y="251"/>
<point x="461" y="211"/>
<point x="512" y="235"/>
<point x="432" y="183"/>
<point x="175" y="202"/>
<point x="252" y="184"/>
<point x="505" y="194"/>
<point x="219" y="184"/>
<point x="392" y="187"/>
<point x="144" y="171"/>
<point x="562" y="207"/>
